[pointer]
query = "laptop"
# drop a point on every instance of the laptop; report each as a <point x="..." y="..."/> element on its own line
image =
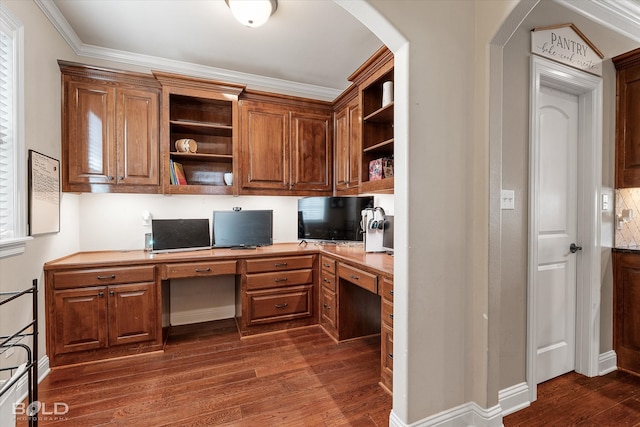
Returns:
<point x="177" y="235"/>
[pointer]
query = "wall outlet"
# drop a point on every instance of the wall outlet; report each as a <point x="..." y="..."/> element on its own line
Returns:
<point x="508" y="199"/>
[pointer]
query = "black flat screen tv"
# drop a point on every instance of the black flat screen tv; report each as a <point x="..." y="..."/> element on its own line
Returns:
<point x="332" y="218"/>
<point x="238" y="229"/>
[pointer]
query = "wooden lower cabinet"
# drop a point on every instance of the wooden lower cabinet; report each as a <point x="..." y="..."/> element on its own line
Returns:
<point x="386" y="352"/>
<point x="328" y="296"/>
<point x="94" y="322"/>
<point x="80" y="320"/>
<point x="626" y="310"/>
<point x="277" y="293"/>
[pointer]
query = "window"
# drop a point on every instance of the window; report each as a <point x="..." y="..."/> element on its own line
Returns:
<point x="12" y="157"/>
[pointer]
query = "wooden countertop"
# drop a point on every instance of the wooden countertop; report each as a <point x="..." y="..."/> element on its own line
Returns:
<point x="378" y="262"/>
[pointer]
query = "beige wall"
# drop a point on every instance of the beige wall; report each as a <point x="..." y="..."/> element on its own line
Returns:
<point x="43" y="46"/>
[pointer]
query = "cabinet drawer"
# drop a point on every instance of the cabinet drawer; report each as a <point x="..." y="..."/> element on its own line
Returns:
<point x="329" y="281"/>
<point x="103" y="276"/>
<point x="361" y="278"/>
<point x="196" y="269"/>
<point x="387" y="313"/>
<point x="292" y="303"/>
<point x="278" y="279"/>
<point x="328" y="265"/>
<point x="386" y="289"/>
<point x="277" y="264"/>
<point x="328" y="308"/>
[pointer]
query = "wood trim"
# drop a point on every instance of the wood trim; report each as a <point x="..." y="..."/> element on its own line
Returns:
<point x="198" y="83"/>
<point x="285" y="100"/>
<point x="379" y="58"/>
<point x="627" y="60"/>
<point x="109" y="75"/>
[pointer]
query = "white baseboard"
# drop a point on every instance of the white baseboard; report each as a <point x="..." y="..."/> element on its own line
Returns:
<point x="204" y="315"/>
<point x="468" y="414"/>
<point x="607" y="362"/>
<point x="514" y="398"/>
<point x="19" y="392"/>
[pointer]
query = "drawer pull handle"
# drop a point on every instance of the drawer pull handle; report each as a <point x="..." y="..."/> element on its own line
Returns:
<point x="284" y="279"/>
<point x="203" y="270"/>
<point x="100" y="294"/>
<point x="325" y="280"/>
<point x="327" y="307"/>
<point x="280" y="264"/>
<point x="113" y="276"/>
<point x="354" y="277"/>
<point x="391" y="293"/>
<point x="285" y="305"/>
<point x="326" y="265"/>
<point x="391" y="316"/>
<point x="390" y="356"/>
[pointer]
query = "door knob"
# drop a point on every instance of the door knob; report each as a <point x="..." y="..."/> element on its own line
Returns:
<point x="574" y="248"/>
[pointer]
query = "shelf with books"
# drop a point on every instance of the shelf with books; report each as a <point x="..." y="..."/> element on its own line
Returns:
<point x="206" y="112"/>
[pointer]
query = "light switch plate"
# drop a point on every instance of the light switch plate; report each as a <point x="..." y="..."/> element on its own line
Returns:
<point x="508" y="199"/>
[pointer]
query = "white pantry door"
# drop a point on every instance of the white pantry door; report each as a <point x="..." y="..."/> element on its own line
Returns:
<point x="556" y="284"/>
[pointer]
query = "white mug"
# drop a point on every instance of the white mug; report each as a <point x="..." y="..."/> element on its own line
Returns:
<point x="228" y="178"/>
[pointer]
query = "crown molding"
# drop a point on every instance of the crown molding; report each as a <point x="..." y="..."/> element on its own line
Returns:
<point x="252" y="81"/>
<point x="621" y="16"/>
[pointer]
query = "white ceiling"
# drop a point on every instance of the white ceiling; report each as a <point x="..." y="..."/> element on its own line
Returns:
<point x="307" y="47"/>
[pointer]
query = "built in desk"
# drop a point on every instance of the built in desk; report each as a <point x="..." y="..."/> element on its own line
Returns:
<point x="115" y="303"/>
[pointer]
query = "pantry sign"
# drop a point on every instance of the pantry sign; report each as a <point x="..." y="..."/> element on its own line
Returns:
<point x="566" y="44"/>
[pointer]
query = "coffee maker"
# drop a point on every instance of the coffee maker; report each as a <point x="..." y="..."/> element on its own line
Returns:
<point x="372" y="227"/>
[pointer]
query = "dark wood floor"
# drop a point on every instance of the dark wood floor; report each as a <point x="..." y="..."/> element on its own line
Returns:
<point x="612" y="400"/>
<point x="207" y="376"/>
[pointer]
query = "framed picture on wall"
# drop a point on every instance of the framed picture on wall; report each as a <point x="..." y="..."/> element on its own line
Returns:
<point x="44" y="194"/>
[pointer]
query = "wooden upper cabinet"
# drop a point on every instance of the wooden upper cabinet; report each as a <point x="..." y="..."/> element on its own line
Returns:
<point x="286" y="146"/>
<point x="347" y="143"/>
<point x="265" y="146"/>
<point x="311" y="159"/>
<point x="110" y="130"/>
<point x="628" y="119"/>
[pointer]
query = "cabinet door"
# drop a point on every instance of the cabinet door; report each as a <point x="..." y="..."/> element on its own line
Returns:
<point x="628" y="128"/>
<point x="89" y="146"/>
<point x="355" y="143"/>
<point x="341" y="124"/>
<point x="81" y="319"/>
<point x="265" y="146"/>
<point x="626" y="316"/>
<point x="311" y="159"/>
<point x="132" y="313"/>
<point x="137" y="137"/>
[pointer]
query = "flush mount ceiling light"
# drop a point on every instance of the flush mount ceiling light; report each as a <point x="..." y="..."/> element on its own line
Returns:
<point x="252" y="13"/>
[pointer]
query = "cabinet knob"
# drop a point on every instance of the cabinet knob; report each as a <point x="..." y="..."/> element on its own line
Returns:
<point x="112" y="293"/>
<point x="120" y="178"/>
<point x="100" y="294"/>
<point x="327" y="307"/>
<point x="390" y="356"/>
<point x="354" y="277"/>
<point x="110" y="178"/>
<point x="390" y="292"/>
<point x="391" y="316"/>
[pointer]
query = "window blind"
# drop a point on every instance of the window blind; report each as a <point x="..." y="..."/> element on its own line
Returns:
<point x="7" y="144"/>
